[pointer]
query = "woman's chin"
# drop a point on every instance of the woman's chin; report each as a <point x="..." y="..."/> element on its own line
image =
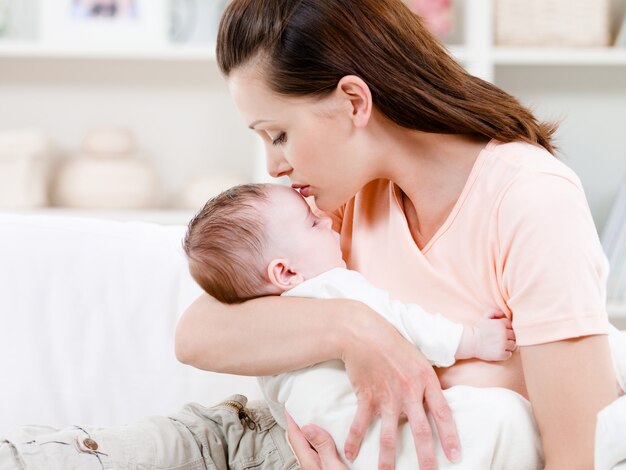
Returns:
<point x="327" y="204"/>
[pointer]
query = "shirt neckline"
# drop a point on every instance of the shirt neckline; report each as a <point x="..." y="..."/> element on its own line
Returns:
<point x="471" y="179"/>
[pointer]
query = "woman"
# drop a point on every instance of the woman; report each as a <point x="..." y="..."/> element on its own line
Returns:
<point x="445" y="193"/>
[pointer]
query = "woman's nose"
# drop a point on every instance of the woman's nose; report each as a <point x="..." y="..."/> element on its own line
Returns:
<point x="277" y="166"/>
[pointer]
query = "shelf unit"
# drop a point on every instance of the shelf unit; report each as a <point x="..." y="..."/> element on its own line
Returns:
<point x="157" y="216"/>
<point x="598" y="56"/>
<point x="168" y="96"/>
<point x="33" y="50"/>
<point x="591" y="57"/>
<point x="481" y="56"/>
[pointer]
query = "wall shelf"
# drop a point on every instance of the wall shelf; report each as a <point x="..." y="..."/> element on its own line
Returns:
<point x="33" y="50"/>
<point x="159" y="216"/>
<point x="603" y="56"/>
<point x="498" y="55"/>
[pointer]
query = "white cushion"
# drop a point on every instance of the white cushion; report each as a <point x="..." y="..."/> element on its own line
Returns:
<point x="610" y="442"/>
<point x="88" y="310"/>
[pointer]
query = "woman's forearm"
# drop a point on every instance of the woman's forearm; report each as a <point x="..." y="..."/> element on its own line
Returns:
<point x="390" y="377"/>
<point x="264" y="336"/>
<point x="568" y="383"/>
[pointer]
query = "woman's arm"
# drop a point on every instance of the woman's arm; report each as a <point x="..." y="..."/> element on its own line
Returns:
<point x="565" y="404"/>
<point x="271" y="335"/>
<point x="265" y="336"/>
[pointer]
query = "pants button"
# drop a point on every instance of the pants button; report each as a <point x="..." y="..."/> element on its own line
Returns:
<point x="90" y="444"/>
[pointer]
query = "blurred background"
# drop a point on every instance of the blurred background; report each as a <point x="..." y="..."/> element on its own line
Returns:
<point x="116" y="108"/>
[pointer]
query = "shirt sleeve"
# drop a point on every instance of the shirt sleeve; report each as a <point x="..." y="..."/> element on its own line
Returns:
<point x="551" y="268"/>
<point x="436" y="337"/>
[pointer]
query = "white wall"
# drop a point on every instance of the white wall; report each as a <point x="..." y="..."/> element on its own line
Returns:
<point x="181" y="112"/>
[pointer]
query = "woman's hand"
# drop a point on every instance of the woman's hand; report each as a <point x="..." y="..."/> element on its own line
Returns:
<point x="391" y="378"/>
<point x="315" y="448"/>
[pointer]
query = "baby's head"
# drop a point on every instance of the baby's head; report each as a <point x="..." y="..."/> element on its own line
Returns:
<point x="255" y="240"/>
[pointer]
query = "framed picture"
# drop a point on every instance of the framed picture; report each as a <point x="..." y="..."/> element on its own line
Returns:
<point x="107" y="24"/>
<point x="195" y="21"/>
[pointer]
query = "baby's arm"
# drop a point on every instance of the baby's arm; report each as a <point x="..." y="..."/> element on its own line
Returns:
<point x="442" y="341"/>
<point x="491" y="338"/>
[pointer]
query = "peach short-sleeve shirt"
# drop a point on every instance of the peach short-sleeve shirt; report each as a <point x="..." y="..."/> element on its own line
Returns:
<point x="520" y="239"/>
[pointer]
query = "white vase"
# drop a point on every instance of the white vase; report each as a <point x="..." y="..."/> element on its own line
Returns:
<point x="92" y="183"/>
<point x="26" y="157"/>
<point x="109" y="143"/>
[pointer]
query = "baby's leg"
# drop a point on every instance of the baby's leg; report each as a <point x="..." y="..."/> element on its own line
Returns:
<point x="228" y="435"/>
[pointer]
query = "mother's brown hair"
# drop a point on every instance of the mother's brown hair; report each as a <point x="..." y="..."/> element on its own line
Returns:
<point x="309" y="45"/>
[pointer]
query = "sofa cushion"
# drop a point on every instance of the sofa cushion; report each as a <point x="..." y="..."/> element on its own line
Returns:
<point x="88" y="310"/>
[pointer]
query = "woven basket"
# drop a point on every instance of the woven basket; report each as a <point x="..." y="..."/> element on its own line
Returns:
<point x="552" y="23"/>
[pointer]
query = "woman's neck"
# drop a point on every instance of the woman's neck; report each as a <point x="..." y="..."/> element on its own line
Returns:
<point x="431" y="170"/>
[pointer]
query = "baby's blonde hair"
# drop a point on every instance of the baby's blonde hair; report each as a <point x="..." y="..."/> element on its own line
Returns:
<point x="224" y="244"/>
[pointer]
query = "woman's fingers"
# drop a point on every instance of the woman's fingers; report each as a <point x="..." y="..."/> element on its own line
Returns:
<point x="388" y="437"/>
<point x="323" y="443"/>
<point x="362" y="420"/>
<point x="307" y="457"/>
<point x="422" y="437"/>
<point x="313" y="447"/>
<point x="390" y="378"/>
<point x="444" y="422"/>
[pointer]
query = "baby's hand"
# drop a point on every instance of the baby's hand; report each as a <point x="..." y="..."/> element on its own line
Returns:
<point x="491" y="339"/>
<point x="494" y="339"/>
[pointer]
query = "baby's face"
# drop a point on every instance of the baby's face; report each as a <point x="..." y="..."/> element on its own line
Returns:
<point x="295" y="233"/>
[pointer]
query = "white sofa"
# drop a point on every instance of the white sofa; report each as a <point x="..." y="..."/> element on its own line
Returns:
<point x="88" y="310"/>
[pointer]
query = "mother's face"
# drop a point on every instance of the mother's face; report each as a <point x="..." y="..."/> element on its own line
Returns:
<point x="314" y="141"/>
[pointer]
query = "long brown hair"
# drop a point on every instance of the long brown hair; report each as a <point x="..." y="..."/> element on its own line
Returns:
<point x="309" y="45"/>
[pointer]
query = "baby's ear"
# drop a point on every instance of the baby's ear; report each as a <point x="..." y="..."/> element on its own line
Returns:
<point x="282" y="276"/>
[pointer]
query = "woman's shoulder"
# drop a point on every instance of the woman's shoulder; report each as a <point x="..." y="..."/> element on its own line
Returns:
<point x="524" y="161"/>
<point x="540" y="188"/>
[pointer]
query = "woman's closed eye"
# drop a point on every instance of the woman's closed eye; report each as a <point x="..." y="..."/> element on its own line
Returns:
<point x="281" y="139"/>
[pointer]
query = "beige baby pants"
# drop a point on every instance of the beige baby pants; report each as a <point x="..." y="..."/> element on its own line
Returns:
<point x="231" y="435"/>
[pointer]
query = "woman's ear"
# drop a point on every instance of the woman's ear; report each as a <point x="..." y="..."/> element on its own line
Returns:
<point x="358" y="93"/>
<point x="281" y="275"/>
